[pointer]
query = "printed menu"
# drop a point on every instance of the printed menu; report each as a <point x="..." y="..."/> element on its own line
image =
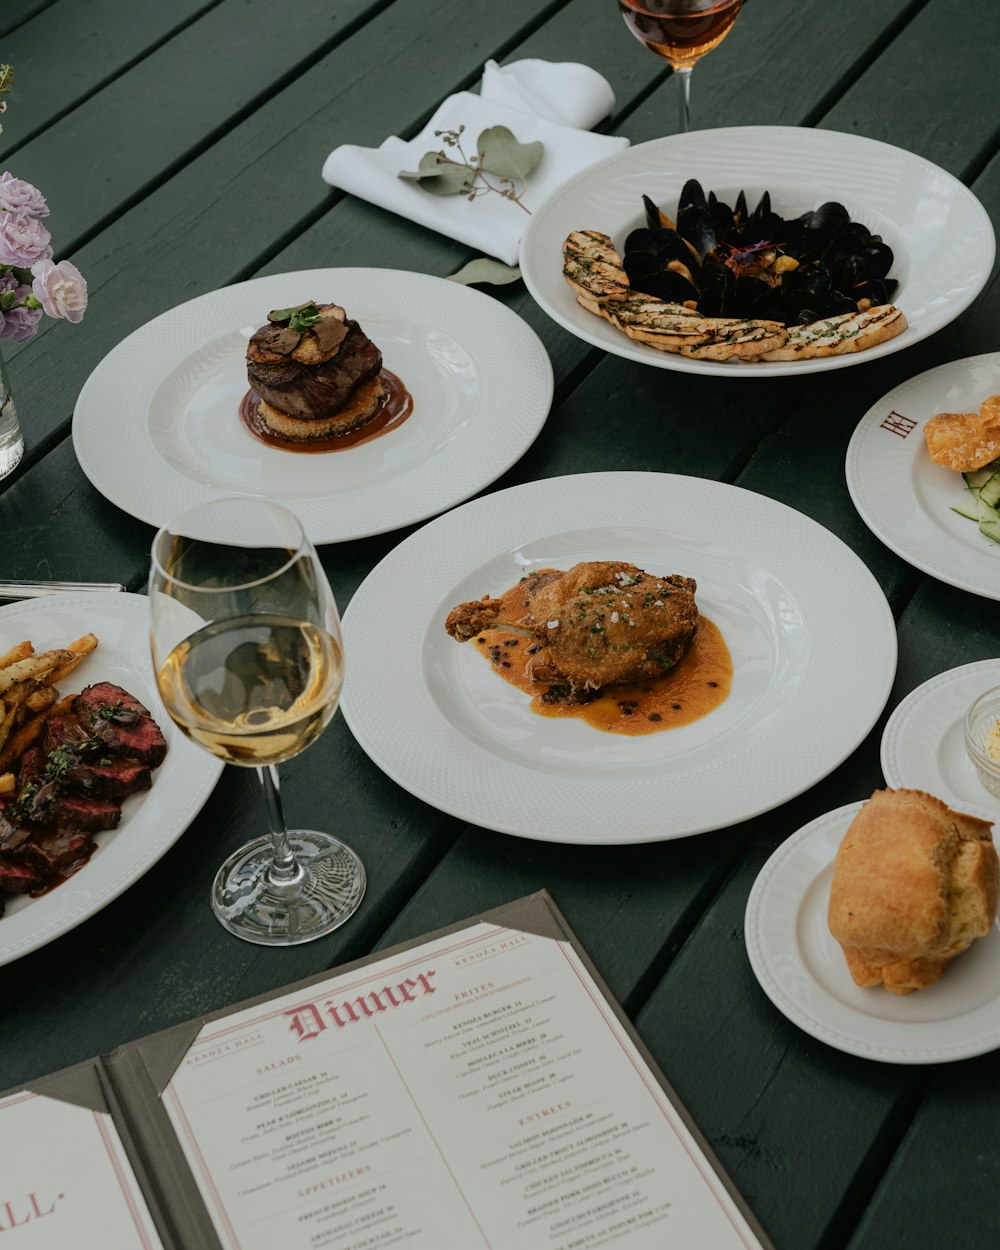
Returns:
<point x="477" y="1088"/>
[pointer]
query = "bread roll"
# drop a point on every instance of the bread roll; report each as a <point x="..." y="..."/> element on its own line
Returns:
<point x="914" y="884"/>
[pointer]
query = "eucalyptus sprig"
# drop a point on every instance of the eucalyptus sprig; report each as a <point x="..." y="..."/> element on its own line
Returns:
<point x="498" y="153"/>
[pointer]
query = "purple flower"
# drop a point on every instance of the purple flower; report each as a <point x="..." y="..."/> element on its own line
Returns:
<point x="20" y="324"/>
<point x="23" y="240"/>
<point x="21" y="197"/>
<point x="61" y="289"/>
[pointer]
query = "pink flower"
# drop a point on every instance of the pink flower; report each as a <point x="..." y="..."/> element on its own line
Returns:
<point x="23" y="240"/>
<point x="21" y="197"/>
<point x="19" y="324"/>
<point x="60" y="289"/>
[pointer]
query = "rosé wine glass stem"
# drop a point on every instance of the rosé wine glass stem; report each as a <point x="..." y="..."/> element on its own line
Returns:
<point x="683" y="76"/>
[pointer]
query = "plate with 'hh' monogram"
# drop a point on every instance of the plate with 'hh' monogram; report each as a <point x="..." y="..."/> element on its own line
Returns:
<point x="927" y="514"/>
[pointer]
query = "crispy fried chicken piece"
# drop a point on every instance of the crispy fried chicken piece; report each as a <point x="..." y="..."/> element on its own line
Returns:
<point x="599" y="623"/>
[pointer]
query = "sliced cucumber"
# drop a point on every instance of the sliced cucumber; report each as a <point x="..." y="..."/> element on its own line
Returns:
<point x="979" y="477"/>
<point x="989" y="493"/>
<point x="970" y="511"/>
<point x="989" y="521"/>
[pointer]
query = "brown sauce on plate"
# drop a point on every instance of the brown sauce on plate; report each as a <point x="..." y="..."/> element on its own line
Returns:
<point x="697" y="685"/>
<point x="398" y="405"/>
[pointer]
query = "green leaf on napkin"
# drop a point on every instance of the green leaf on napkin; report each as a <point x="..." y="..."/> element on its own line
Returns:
<point x="498" y="153"/>
<point x="440" y="175"/>
<point x="483" y="269"/>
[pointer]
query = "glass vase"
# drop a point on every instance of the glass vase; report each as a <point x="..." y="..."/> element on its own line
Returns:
<point x="11" y="442"/>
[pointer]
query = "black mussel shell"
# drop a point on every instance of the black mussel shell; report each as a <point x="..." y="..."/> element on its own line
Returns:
<point x="879" y="257"/>
<point x="874" y="290"/>
<point x="810" y="279"/>
<point x="847" y="270"/>
<point x="741" y="212"/>
<point x="717" y="282"/>
<point x="838" y="304"/>
<point x="722" y="218"/>
<point x="666" y="285"/>
<point x="640" y="265"/>
<point x="644" y="239"/>
<point x="823" y="224"/>
<point x="692" y="196"/>
<point x="695" y="225"/>
<point x="748" y="296"/>
<point x="655" y="218"/>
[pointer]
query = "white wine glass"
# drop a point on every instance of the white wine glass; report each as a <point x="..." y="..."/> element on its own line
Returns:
<point x="248" y="658"/>
<point x="682" y="32"/>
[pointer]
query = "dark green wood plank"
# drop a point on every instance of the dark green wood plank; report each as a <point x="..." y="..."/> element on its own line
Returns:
<point x="122" y="140"/>
<point x="910" y="96"/>
<point x="15" y="15"/>
<point x="71" y="49"/>
<point x="941" y="1188"/>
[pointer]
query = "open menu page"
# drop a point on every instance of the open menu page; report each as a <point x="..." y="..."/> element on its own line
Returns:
<point x="474" y="1091"/>
<point x="66" y="1180"/>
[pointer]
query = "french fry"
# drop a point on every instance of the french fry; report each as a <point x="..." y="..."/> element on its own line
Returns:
<point x="57" y="709"/>
<point x="25" y="737"/>
<point x="41" y="698"/>
<point x="20" y="652"/>
<point x="7" y="783"/>
<point x="7" y="724"/>
<point x="80" y="650"/>
<point x="32" y="666"/>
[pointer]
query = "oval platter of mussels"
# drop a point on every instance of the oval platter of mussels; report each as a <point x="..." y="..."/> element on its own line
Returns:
<point x="757" y="251"/>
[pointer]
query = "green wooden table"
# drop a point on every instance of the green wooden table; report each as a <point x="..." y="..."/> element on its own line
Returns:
<point x="180" y="147"/>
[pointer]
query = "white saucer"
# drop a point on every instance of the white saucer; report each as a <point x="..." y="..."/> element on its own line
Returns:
<point x="923" y="746"/>
<point x="803" y="972"/>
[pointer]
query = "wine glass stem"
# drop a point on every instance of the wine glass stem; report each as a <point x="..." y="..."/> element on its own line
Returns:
<point x="284" y="869"/>
<point x="683" y="75"/>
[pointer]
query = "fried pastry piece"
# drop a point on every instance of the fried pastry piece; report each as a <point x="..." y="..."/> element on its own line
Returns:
<point x="599" y="623"/>
<point x="965" y="441"/>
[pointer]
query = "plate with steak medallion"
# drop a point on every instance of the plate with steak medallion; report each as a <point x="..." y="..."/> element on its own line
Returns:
<point x="160" y="788"/>
<point x="169" y="419"/>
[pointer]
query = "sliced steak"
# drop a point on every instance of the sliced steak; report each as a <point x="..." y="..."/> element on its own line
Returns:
<point x="55" y="853"/>
<point x="18" y="878"/>
<point x="113" y="780"/>
<point x="63" y="731"/>
<point x="73" y="811"/>
<point x="119" y="719"/>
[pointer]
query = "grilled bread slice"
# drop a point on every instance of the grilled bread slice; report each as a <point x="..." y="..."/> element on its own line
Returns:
<point x="594" y="269"/>
<point x="674" y="328"/>
<point x="837" y="336"/>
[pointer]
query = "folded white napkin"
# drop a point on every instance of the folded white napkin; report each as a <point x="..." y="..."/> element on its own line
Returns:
<point x="536" y="100"/>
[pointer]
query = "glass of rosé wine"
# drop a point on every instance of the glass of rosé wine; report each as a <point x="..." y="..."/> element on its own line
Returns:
<point x="681" y="31"/>
<point x="248" y="657"/>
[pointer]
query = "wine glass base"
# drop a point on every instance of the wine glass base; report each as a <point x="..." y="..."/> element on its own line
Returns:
<point x="325" y="894"/>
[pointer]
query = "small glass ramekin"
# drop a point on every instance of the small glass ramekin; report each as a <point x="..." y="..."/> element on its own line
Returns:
<point x="979" y="720"/>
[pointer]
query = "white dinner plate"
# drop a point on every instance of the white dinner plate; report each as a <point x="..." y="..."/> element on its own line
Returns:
<point x="790" y="599"/>
<point x="903" y="497"/>
<point x="803" y="972"/>
<point x="941" y="235"/>
<point x="151" y="822"/>
<point x="156" y="427"/>
<point x="923" y="743"/>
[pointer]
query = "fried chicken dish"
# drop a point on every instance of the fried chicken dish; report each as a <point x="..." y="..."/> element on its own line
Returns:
<point x="599" y="623"/>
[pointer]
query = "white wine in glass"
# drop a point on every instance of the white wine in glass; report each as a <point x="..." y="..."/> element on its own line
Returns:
<point x="247" y="650"/>
<point x="682" y="32"/>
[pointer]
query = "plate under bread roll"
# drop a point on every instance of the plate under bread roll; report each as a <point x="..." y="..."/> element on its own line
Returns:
<point x="801" y="968"/>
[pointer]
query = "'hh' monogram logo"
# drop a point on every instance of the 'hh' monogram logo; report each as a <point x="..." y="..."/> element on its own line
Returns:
<point x="896" y="423"/>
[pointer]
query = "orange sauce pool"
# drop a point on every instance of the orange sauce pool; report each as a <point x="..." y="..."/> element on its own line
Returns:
<point x="698" y="684"/>
<point x="397" y="406"/>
